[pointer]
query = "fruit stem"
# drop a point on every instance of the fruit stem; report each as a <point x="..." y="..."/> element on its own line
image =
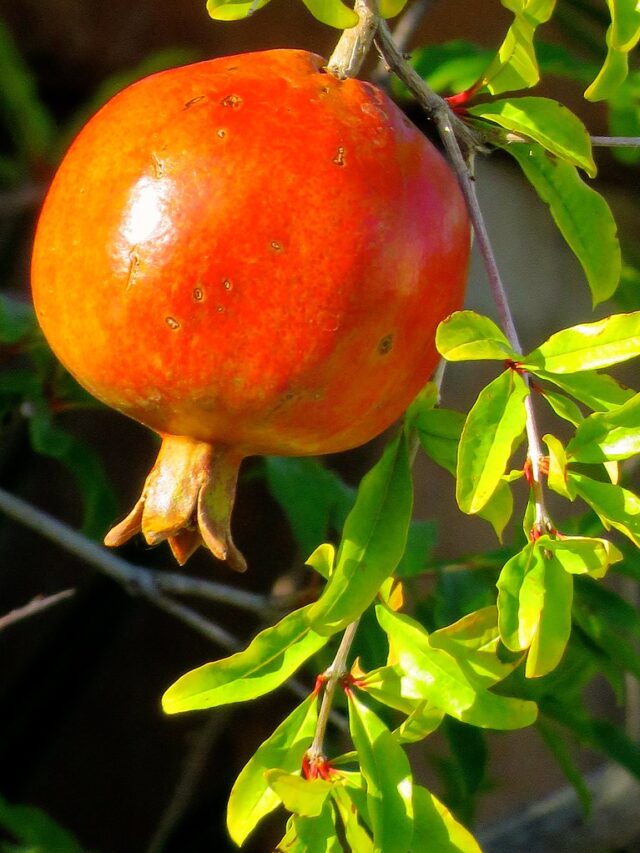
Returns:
<point x="187" y="499"/>
<point x="354" y="43"/>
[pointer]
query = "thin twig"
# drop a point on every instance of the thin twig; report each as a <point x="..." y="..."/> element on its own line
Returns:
<point x="616" y="141"/>
<point x="353" y="46"/>
<point x="460" y="148"/>
<point x="404" y="30"/>
<point x="36" y="605"/>
<point x="137" y="579"/>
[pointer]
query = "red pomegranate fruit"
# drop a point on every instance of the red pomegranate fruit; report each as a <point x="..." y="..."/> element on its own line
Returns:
<point x="249" y="256"/>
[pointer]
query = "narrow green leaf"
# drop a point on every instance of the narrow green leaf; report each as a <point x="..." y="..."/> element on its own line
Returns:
<point x="581" y="214"/>
<point x="435" y="675"/>
<point x="322" y="559"/>
<point x="467" y="336"/>
<point x="624" y="117"/>
<point x="554" y="627"/>
<point x="332" y="12"/>
<point x="35" y="831"/>
<point x="233" y="10"/>
<point x="563" y="406"/>
<point x="588" y="346"/>
<point x="314" y="834"/>
<point x="301" y="796"/>
<point x="611" y="642"/>
<point x="622" y="36"/>
<point x="595" y="598"/>
<point x="421" y="722"/>
<point x="439" y="431"/>
<point x="373" y="540"/>
<point x="493" y="429"/>
<point x="559" y="748"/>
<point x="436" y="829"/>
<point x="598" y="391"/>
<point x="251" y="797"/>
<point x="515" y="65"/>
<point x="557" y="476"/>
<point x="421" y="541"/>
<point x="355" y="834"/>
<point x="271" y="657"/>
<point x="385" y="767"/>
<point x="517" y="624"/>
<point x="451" y="67"/>
<point x="608" y="436"/>
<point x="615" y="506"/>
<point x="545" y="121"/>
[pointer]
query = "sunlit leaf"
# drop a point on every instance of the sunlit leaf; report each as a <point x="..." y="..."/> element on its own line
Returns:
<point x="467" y="336"/>
<point x="557" y="476"/>
<point x="322" y="559"/>
<point x="515" y="65"/>
<point x="355" y="834"/>
<point x="563" y="406"/>
<point x="332" y="12"/>
<point x="598" y="391"/>
<point x="435" y="675"/>
<point x="554" y="624"/>
<point x="493" y="429"/>
<point x="517" y="624"/>
<point x="616" y="507"/>
<point x="271" y="657"/>
<point x="436" y="829"/>
<point x="581" y="214"/>
<point x="499" y="508"/>
<point x="545" y="121"/>
<point x="313" y="834"/>
<point x="622" y="36"/>
<point x="251" y="797"/>
<point x="588" y="346"/>
<point x="233" y="10"/>
<point x="608" y="435"/>
<point x="391" y="8"/>
<point x="373" y="540"/>
<point x="386" y="770"/>
<point x="301" y="796"/>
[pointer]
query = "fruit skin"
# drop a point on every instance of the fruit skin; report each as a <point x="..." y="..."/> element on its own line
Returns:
<point x="250" y="254"/>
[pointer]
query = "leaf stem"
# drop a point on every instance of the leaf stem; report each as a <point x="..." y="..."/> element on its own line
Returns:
<point x="616" y="141"/>
<point x="334" y="675"/>
<point x="461" y="144"/>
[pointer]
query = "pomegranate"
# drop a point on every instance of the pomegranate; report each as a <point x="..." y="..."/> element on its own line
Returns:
<point x="249" y="256"/>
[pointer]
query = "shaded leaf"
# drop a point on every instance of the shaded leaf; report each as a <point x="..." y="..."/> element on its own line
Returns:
<point x="373" y="540"/>
<point x="439" y="431"/>
<point x="436" y="829"/>
<point x="563" y="406"/>
<point x="355" y="834"/>
<point x="582" y="215"/>
<point x="616" y="507"/>
<point x="451" y="67"/>
<point x="545" y="121"/>
<point x="493" y="429"/>
<point x="271" y="657"/>
<point x="251" y="797"/>
<point x="608" y="435"/>
<point x="36" y="831"/>
<point x="559" y="748"/>
<point x="598" y="391"/>
<point x="17" y="319"/>
<point x="588" y="346"/>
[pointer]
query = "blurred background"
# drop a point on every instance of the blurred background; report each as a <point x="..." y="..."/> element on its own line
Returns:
<point x="82" y="735"/>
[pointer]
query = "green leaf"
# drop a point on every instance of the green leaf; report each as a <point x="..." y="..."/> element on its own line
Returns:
<point x="36" y="831"/>
<point x="439" y="431"/>
<point x="606" y="604"/>
<point x="493" y="429"/>
<point x="518" y="623"/>
<point x="515" y="65"/>
<point x="545" y="121"/>
<point x="271" y="657"/>
<point x="557" y="476"/>
<point x="624" y="117"/>
<point x="554" y="624"/>
<point x="322" y="559"/>
<point x="560" y="750"/>
<point x="435" y="675"/>
<point x="332" y="12"/>
<point x="582" y="215"/>
<point x="563" y="406"/>
<point x="233" y="10"/>
<point x="499" y="508"/>
<point x="615" y="506"/>
<point x="598" y="391"/>
<point x="421" y="541"/>
<point x="301" y="796"/>
<point x="312" y="834"/>
<point x="608" y="435"/>
<point x="390" y="8"/>
<point x="315" y="500"/>
<point x="588" y="346"/>
<point x="386" y="770"/>
<point x="373" y="540"/>
<point x="435" y="828"/>
<point x="421" y="722"/>
<point x="451" y="67"/>
<point x="467" y="336"/>
<point x="622" y="36"/>
<point x="355" y="834"/>
<point x="251" y="797"/>
<point x="611" y="642"/>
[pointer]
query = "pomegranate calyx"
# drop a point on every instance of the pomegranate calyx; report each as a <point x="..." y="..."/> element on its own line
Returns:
<point x="187" y="499"/>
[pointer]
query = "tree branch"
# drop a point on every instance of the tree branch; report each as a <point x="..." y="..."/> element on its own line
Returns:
<point x="616" y="141"/>
<point x="353" y="46"/>
<point x="36" y="605"/>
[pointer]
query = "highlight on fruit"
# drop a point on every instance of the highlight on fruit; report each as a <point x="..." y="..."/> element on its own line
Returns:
<point x="249" y="256"/>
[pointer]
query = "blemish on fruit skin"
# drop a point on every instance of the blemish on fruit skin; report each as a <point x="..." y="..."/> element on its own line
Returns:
<point x="193" y="101"/>
<point x="385" y="345"/>
<point x="227" y="284"/>
<point x="339" y="159"/>
<point x="325" y="90"/>
<point x="198" y="294"/>
<point x="219" y="308"/>
<point x="276" y="246"/>
<point x="233" y="101"/>
<point x="134" y="267"/>
<point x="221" y="133"/>
<point x="158" y="166"/>
<point x="172" y="323"/>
